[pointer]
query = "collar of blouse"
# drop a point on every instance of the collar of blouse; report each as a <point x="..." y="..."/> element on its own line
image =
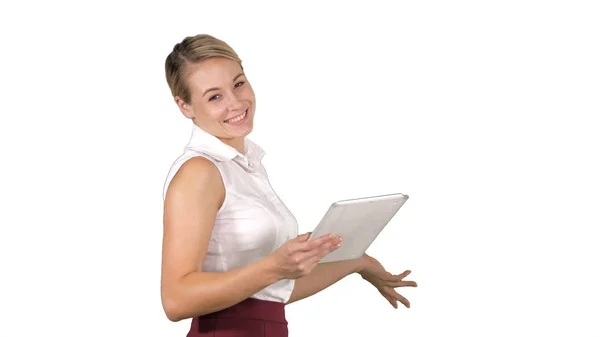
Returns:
<point x="203" y="141"/>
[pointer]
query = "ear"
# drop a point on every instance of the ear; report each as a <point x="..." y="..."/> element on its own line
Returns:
<point x="185" y="108"/>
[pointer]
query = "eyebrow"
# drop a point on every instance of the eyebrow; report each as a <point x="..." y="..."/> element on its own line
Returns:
<point x="215" y="88"/>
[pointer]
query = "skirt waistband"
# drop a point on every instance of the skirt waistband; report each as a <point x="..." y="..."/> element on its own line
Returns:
<point x="252" y="308"/>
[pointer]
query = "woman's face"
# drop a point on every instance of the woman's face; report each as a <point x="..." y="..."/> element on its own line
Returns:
<point x="222" y="101"/>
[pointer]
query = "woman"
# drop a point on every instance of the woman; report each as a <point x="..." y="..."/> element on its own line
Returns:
<point x="232" y="257"/>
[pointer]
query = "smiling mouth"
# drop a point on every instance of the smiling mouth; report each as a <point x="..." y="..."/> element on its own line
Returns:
<point x="237" y="118"/>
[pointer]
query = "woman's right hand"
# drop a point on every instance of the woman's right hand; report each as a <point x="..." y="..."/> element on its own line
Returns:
<point x="298" y="257"/>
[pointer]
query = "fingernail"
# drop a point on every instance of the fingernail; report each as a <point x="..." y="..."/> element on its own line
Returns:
<point x="341" y="239"/>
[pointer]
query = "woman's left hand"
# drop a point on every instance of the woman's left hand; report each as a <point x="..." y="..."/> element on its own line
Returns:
<point x="384" y="281"/>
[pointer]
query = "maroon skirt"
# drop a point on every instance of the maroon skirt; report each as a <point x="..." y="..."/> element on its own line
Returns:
<point x="249" y="318"/>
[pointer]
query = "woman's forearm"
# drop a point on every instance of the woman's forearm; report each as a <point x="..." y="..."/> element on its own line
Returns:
<point x="201" y="293"/>
<point x="322" y="276"/>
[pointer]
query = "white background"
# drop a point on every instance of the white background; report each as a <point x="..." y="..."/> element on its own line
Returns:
<point x="484" y="113"/>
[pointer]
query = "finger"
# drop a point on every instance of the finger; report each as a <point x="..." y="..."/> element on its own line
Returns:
<point x="390" y="299"/>
<point x="303" y="237"/>
<point x="399" y="283"/>
<point x="316" y="243"/>
<point x="315" y="253"/>
<point x="390" y="277"/>
<point x="400" y="298"/>
<point x="318" y="252"/>
<point x="303" y="244"/>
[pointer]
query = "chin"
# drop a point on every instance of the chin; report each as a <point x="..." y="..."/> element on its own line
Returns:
<point x="247" y="131"/>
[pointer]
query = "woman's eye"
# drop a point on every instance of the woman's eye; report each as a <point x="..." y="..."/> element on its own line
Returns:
<point x="213" y="97"/>
<point x="239" y="84"/>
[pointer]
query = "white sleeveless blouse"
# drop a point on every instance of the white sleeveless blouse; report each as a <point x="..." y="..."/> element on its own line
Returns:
<point x="252" y="222"/>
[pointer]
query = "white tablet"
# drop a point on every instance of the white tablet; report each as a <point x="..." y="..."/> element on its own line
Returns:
<point x="358" y="221"/>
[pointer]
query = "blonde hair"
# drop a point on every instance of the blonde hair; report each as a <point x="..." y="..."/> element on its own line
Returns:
<point x="193" y="49"/>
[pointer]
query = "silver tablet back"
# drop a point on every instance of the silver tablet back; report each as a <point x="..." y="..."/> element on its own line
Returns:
<point x="359" y="222"/>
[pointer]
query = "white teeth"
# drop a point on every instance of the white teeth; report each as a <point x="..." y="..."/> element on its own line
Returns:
<point x="236" y="119"/>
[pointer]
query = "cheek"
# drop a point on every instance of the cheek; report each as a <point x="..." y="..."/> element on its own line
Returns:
<point x="213" y="113"/>
<point x="248" y="94"/>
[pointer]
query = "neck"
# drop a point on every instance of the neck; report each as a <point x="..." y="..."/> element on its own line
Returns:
<point x="236" y="143"/>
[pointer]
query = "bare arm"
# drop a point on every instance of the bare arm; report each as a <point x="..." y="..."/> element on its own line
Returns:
<point x="322" y="276"/>
<point x="194" y="196"/>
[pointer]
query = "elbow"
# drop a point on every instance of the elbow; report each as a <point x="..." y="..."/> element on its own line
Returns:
<point x="173" y="316"/>
<point x="177" y="303"/>
<point x="173" y="309"/>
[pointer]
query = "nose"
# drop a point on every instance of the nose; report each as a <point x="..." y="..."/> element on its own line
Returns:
<point x="234" y="103"/>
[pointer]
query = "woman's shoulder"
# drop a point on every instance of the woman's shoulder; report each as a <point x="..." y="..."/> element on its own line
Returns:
<point x="198" y="168"/>
<point x="196" y="171"/>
